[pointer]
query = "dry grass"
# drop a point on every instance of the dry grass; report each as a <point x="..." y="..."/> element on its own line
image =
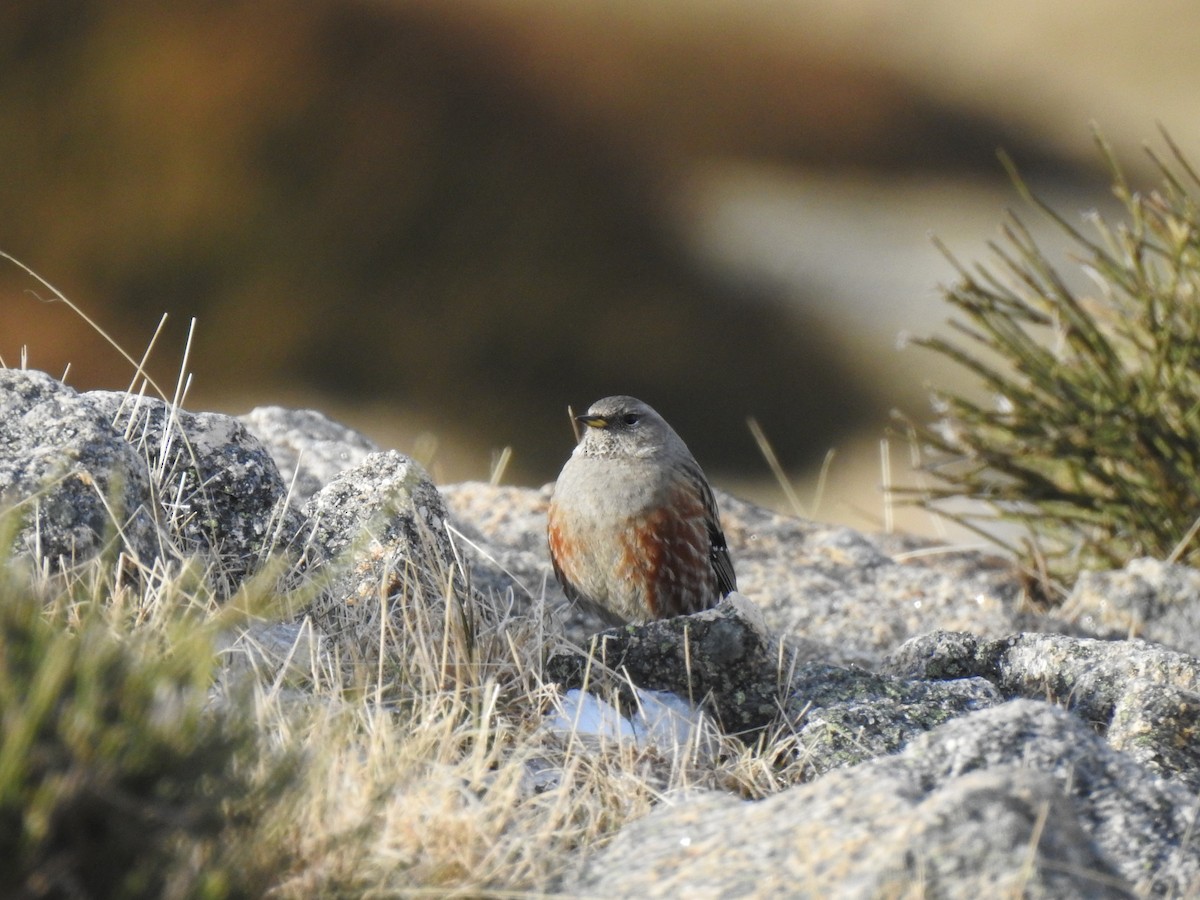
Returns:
<point x="443" y="777"/>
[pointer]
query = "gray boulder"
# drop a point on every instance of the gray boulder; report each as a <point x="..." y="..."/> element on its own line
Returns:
<point x="75" y="488"/>
<point x="378" y="547"/>
<point x="842" y="716"/>
<point x="100" y="471"/>
<point x="1147" y="598"/>
<point x="219" y="490"/>
<point x="309" y="448"/>
<point x="1144" y="698"/>
<point x="1017" y="800"/>
<point x="722" y="657"/>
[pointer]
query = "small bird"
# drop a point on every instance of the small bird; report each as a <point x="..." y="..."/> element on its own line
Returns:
<point x="633" y="525"/>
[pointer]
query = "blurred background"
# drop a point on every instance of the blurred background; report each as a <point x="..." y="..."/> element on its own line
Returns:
<point x="442" y="222"/>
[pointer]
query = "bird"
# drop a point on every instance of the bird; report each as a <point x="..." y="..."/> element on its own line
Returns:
<point x="632" y="525"/>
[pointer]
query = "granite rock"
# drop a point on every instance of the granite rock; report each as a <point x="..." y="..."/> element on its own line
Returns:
<point x="219" y="489"/>
<point x="1021" y="799"/>
<point x="309" y="448"/>
<point x="947" y="734"/>
<point x="723" y="658"/>
<point x="378" y="547"/>
<point x="1147" y="598"/>
<point x="76" y="487"/>
<point x="1144" y="698"/>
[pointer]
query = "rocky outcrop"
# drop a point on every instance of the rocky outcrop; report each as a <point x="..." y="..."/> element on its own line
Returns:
<point x="310" y="449"/>
<point x="378" y="544"/>
<point x="931" y="726"/>
<point x="100" y="472"/>
<point x="72" y="487"/>
<point x="1022" y="799"/>
<point x="217" y="490"/>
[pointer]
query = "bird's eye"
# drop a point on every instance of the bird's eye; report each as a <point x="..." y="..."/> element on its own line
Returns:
<point x="630" y="418"/>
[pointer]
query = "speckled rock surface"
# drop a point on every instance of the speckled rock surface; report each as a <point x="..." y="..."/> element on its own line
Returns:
<point x="1147" y="598"/>
<point x="723" y="657"/>
<point x="178" y="484"/>
<point x="1144" y="698"/>
<point x="843" y="716"/>
<point x="377" y="541"/>
<point x="220" y="491"/>
<point x="68" y="475"/>
<point x="863" y="594"/>
<point x="309" y="448"/>
<point x="1021" y="799"/>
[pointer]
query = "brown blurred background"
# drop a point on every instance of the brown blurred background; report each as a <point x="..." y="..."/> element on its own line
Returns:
<point x="443" y="221"/>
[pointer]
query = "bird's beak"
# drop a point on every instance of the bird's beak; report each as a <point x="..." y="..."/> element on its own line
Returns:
<point x="592" y="421"/>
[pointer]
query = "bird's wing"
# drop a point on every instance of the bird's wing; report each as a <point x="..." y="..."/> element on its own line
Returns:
<point x="718" y="550"/>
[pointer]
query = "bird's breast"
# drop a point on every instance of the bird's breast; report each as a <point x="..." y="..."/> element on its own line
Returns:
<point x="609" y="489"/>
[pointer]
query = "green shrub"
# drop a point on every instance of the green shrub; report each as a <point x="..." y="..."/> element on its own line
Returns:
<point x="119" y="776"/>
<point x="1089" y="439"/>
